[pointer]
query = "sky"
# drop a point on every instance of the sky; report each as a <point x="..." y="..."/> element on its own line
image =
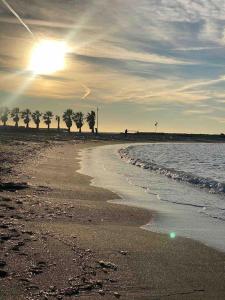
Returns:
<point x="138" y="61"/>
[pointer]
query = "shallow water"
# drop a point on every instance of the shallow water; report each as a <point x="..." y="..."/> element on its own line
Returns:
<point x="201" y="165"/>
<point x="173" y="201"/>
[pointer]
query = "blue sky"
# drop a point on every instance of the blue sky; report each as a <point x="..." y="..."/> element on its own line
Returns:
<point x="139" y="61"/>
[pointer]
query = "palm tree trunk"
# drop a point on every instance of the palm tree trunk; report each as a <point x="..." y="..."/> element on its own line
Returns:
<point x="16" y="124"/>
<point x="92" y="130"/>
<point x="48" y="126"/>
<point x="27" y="125"/>
<point x="79" y="130"/>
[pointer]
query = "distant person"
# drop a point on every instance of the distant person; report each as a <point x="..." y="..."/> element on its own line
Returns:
<point x="126" y="132"/>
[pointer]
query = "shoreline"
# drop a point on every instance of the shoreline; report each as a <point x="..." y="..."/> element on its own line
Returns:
<point x="169" y="217"/>
<point x="73" y="227"/>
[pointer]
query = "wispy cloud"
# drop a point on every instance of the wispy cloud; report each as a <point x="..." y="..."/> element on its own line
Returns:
<point x="151" y="53"/>
<point x="87" y="91"/>
<point x="198" y="111"/>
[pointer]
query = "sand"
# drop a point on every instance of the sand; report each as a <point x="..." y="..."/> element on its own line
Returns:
<point x="74" y="227"/>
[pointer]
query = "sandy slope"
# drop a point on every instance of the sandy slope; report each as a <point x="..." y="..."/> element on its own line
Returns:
<point x="73" y="227"/>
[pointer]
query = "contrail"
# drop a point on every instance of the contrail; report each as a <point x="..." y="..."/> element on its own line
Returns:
<point x="87" y="92"/>
<point x="17" y="16"/>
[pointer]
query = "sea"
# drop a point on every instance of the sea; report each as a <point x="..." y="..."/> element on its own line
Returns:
<point x="182" y="184"/>
<point x="198" y="165"/>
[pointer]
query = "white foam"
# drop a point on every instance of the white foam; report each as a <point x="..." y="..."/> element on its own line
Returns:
<point x="129" y="182"/>
<point x="200" y="164"/>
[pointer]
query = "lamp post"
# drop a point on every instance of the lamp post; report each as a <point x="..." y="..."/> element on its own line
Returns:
<point x="97" y="118"/>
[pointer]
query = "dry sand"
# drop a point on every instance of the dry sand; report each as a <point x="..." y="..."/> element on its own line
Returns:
<point x="73" y="227"/>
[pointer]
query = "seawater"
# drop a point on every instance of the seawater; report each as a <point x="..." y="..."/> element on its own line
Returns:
<point x="179" y="207"/>
<point x="198" y="164"/>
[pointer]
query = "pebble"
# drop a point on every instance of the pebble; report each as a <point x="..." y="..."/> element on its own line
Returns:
<point x="123" y="252"/>
<point x="101" y="292"/>
<point x="107" y="265"/>
<point x="71" y="291"/>
<point x="3" y="274"/>
<point x="2" y="263"/>
<point x="117" y="295"/>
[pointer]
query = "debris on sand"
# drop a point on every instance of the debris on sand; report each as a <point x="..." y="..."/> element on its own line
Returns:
<point x="107" y="265"/>
<point x="2" y="263"/>
<point x="3" y="274"/>
<point x="117" y="295"/>
<point x="124" y="252"/>
<point x="12" y="186"/>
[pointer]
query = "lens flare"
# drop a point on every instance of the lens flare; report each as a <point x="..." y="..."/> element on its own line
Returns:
<point x="48" y="56"/>
<point x="172" y="235"/>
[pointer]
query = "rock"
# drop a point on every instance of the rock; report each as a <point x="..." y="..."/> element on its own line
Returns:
<point x="17" y="246"/>
<point x="107" y="265"/>
<point x="87" y="287"/>
<point x="12" y="186"/>
<point x="117" y="295"/>
<point x="4" y="226"/>
<point x="35" y="270"/>
<point x="3" y="274"/>
<point x="33" y="287"/>
<point x="7" y="206"/>
<point x="5" y="199"/>
<point x="52" y="288"/>
<point x="38" y="268"/>
<point x="19" y="202"/>
<point x="28" y="232"/>
<point x="5" y="237"/>
<point x="2" y="263"/>
<point x="71" y="291"/>
<point x="101" y="292"/>
<point x="123" y="252"/>
<point x="26" y="280"/>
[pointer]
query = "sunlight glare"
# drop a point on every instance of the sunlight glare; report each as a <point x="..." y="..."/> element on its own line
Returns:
<point x="48" y="56"/>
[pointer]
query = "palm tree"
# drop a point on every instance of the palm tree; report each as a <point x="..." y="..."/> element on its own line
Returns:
<point x="78" y="118"/>
<point x="4" y="115"/>
<point x="90" y="118"/>
<point x="15" y="115"/>
<point x="48" y="118"/>
<point x="58" y="121"/>
<point x="67" y="118"/>
<point x="26" y="116"/>
<point x="36" y="116"/>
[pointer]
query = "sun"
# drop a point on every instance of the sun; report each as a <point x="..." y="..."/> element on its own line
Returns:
<point x="47" y="57"/>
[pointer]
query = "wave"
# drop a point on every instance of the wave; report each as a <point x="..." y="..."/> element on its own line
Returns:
<point x="212" y="185"/>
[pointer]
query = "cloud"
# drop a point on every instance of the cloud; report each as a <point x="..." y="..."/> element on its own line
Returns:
<point x="119" y="53"/>
<point x="87" y="91"/>
<point x="202" y="83"/>
<point x="39" y="23"/>
<point x="198" y="48"/>
<point x="152" y="53"/>
<point x="198" y="111"/>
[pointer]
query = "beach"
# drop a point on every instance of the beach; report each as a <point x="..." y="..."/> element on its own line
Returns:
<point x="65" y="240"/>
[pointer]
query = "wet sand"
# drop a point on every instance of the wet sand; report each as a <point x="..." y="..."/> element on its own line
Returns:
<point x="68" y="227"/>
